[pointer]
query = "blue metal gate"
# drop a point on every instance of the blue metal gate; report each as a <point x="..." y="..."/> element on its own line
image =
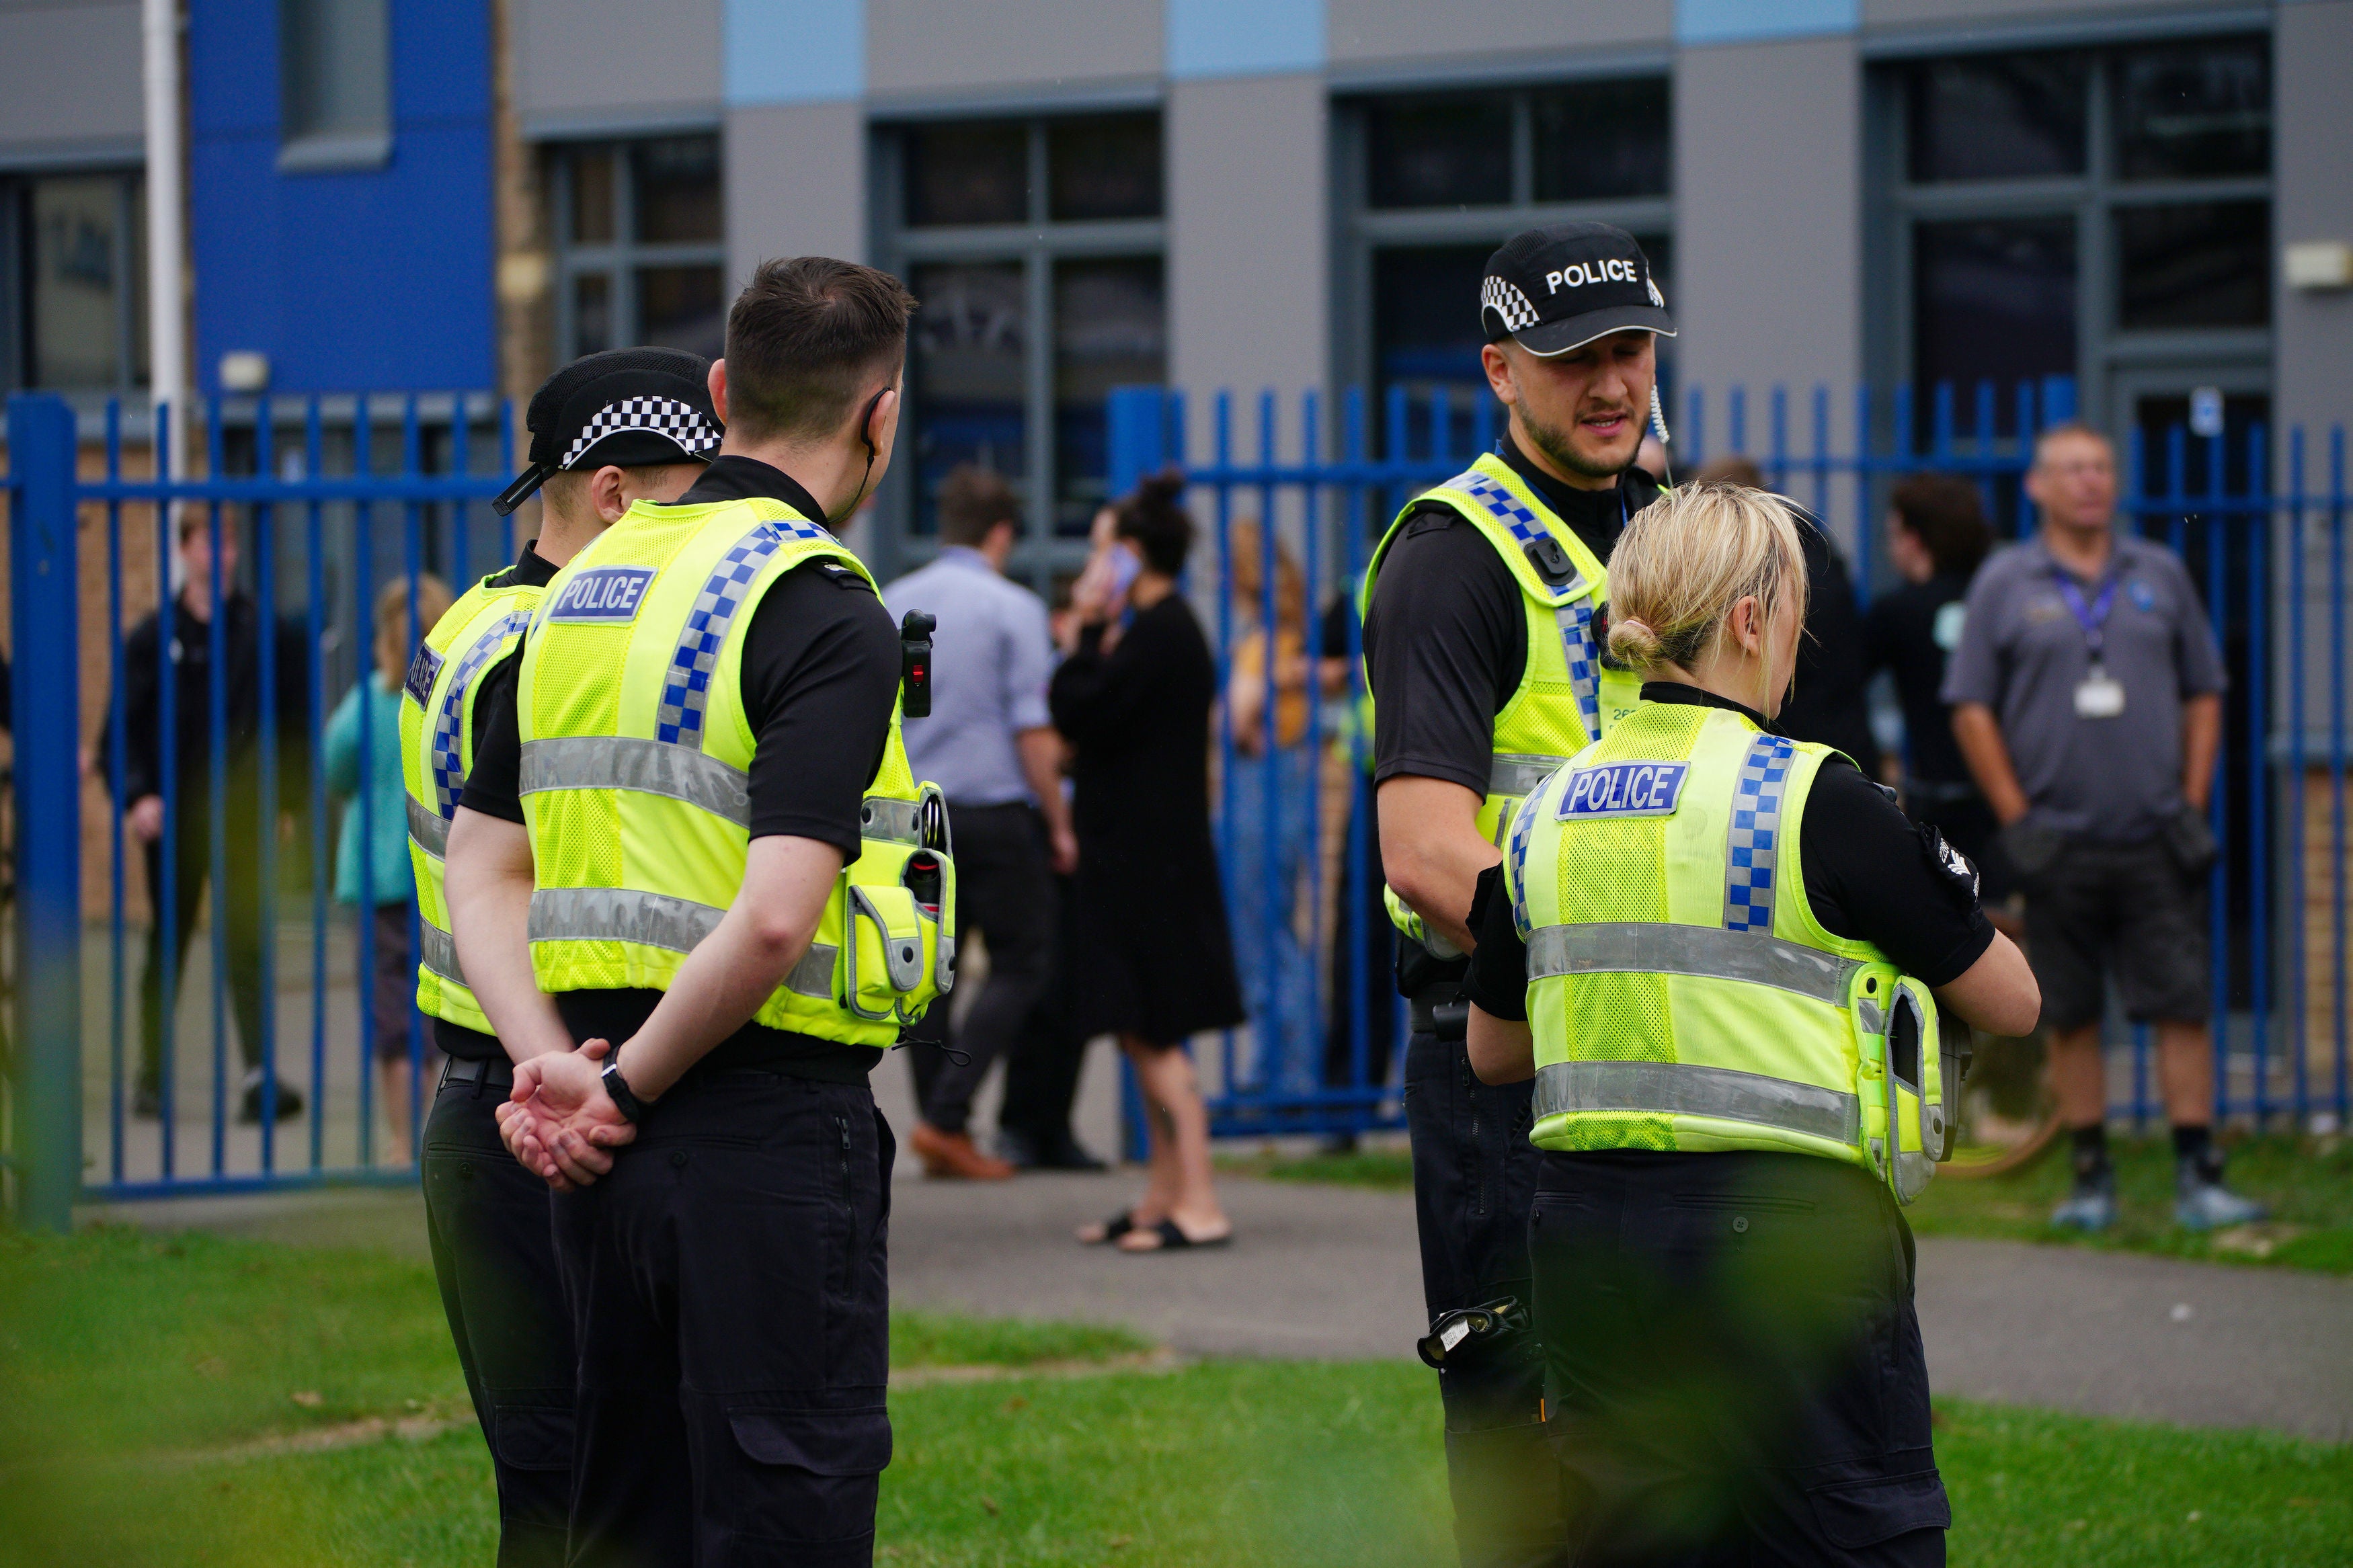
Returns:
<point x="2269" y="556"/>
<point x="326" y="499"/>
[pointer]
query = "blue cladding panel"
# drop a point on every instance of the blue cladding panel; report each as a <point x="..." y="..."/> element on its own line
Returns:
<point x="1750" y="21"/>
<point x="349" y="279"/>
<point x="1244" y="37"/>
<point x="795" y="51"/>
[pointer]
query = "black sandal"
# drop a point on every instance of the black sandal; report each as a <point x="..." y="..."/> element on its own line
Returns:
<point x="1119" y="1224"/>
<point x="1173" y="1238"/>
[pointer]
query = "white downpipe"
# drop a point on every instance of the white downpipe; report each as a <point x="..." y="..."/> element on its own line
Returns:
<point x="167" y="317"/>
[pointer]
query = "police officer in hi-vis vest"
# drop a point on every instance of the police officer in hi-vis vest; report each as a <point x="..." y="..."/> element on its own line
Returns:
<point x="1485" y="618"/>
<point x="1719" y="955"/>
<point x="691" y="846"/>
<point x="606" y="431"/>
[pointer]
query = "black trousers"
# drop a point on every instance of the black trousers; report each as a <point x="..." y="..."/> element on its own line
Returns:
<point x="1041" y="1076"/>
<point x="491" y="1225"/>
<point x="239" y="910"/>
<point x="1005" y="888"/>
<point x="1733" y="1374"/>
<point x="731" y="1300"/>
<point x="1473" y="1184"/>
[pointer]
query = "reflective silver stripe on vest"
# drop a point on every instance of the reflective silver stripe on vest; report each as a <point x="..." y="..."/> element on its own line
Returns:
<point x="1676" y="1089"/>
<point x="654" y="919"/>
<point x="645" y="766"/>
<point x="426" y="827"/>
<point x="1645" y="947"/>
<point x="1518" y="774"/>
<point x="437" y="950"/>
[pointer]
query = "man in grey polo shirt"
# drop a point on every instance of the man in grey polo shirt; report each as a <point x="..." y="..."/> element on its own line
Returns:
<point x="991" y="746"/>
<point x="2087" y="701"/>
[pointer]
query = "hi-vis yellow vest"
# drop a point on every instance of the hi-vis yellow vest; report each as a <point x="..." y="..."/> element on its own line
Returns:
<point x="1680" y="991"/>
<point x="635" y="780"/>
<point x="437" y="751"/>
<point x="1567" y="696"/>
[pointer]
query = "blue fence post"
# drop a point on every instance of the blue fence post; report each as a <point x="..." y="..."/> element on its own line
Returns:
<point x="1139" y="436"/>
<point x="45" y="614"/>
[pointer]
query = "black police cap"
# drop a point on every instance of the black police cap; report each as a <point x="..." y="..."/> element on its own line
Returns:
<point x="630" y="408"/>
<point x="1557" y="289"/>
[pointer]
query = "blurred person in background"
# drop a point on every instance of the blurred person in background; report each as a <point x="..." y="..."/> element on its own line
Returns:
<point x="371" y="866"/>
<point x="1361" y="980"/>
<point x="1828" y="703"/>
<point x="190" y="658"/>
<point x="1041" y="1075"/>
<point x="1937" y="537"/>
<point x="990" y="745"/>
<point x="2087" y="697"/>
<point x="1150" y="958"/>
<point x="1723" y="1274"/>
<point x="1269" y="800"/>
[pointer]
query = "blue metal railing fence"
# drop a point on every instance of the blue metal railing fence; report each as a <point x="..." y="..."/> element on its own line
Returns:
<point x="327" y="498"/>
<point x="366" y="490"/>
<point x="2269" y="560"/>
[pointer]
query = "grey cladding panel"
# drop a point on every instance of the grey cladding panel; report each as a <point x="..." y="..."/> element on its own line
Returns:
<point x="578" y="59"/>
<point x="1441" y="29"/>
<point x="915" y="45"/>
<point x="70" y="74"/>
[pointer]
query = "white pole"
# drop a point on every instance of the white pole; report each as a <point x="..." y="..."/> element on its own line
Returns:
<point x="167" y="342"/>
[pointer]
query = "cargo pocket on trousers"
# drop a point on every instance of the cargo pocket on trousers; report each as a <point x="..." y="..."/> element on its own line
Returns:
<point x="822" y="1442"/>
<point x="534" y="1436"/>
<point x="1855" y="1514"/>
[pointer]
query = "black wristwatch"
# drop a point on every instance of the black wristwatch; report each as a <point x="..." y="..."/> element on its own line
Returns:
<point x="632" y="1108"/>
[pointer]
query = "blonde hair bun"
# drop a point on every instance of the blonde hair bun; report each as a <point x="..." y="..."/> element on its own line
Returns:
<point x="1633" y="642"/>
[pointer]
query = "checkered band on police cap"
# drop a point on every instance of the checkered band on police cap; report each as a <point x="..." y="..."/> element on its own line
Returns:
<point x="696" y="436"/>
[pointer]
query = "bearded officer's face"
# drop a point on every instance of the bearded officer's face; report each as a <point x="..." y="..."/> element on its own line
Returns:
<point x="1583" y="409"/>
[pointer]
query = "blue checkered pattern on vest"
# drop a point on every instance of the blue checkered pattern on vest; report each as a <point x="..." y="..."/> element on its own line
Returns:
<point x="1524" y="828"/>
<point x="1752" y="844"/>
<point x="1577" y="644"/>
<point x="448" y="774"/>
<point x="687" y="689"/>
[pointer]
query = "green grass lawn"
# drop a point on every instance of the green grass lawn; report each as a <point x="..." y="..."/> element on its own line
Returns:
<point x="148" y="1398"/>
<point x="2308" y="1184"/>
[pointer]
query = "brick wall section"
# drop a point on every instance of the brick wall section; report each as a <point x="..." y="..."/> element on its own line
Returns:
<point x="2322" y="870"/>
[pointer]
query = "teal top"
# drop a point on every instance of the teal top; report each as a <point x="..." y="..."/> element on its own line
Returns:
<point x="390" y="878"/>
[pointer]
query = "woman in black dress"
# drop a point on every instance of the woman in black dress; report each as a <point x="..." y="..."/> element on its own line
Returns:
<point x="1153" y="961"/>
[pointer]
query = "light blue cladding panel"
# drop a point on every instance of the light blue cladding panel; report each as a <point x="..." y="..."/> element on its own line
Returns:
<point x="1244" y="37"/>
<point x="795" y="51"/>
<point x="1751" y="21"/>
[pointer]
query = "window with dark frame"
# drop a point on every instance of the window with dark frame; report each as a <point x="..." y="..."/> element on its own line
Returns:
<point x="640" y="245"/>
<point x="73" y="282"/>
<point x="2149" y="162"/>
<point x="1035" y="247"/>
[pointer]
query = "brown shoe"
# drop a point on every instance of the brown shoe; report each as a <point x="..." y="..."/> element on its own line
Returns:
<point x="951" y="1156"/>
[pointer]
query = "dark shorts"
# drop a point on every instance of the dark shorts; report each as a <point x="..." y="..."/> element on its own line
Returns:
<point x="1733" y="1370"/>
<point x="2124" y="910"/>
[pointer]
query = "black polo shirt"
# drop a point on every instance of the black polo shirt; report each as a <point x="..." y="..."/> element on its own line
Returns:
<point x="1871" y="874"/>
<point x="820" y="673"/>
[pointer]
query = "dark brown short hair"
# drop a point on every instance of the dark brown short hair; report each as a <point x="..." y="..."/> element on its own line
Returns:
<point x="974" y="501"/>
<point x="1945" y="511"/>
<point x="805" y="337"/>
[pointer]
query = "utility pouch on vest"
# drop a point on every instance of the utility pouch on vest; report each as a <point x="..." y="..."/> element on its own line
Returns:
<point x="1899" y="1078"/>
<point x="885" y="950"/>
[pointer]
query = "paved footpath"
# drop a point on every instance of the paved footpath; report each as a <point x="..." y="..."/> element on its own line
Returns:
<point x="1331" y="1272"/>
